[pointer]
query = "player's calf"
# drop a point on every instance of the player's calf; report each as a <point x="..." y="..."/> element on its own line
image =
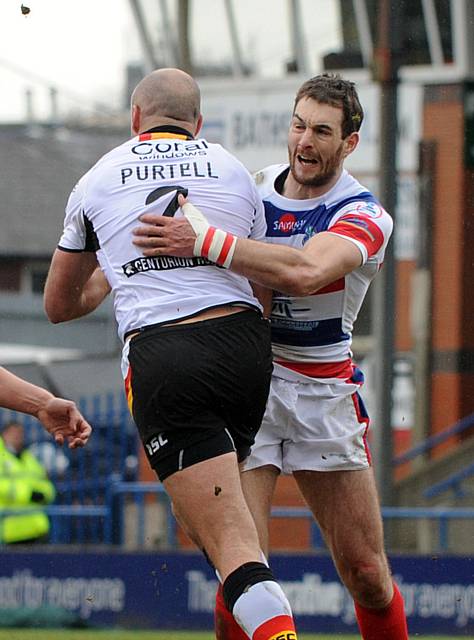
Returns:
<point x="388" y="622"/>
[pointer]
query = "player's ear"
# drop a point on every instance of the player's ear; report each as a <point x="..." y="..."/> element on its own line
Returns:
<point x="350" y="143"/>
<point x="198" y="125"/>
<point x="135" y="119"/>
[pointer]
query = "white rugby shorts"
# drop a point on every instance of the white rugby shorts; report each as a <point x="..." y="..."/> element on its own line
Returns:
<point x="312" y="426"/>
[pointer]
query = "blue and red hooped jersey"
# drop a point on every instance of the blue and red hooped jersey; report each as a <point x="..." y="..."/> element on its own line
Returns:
<point x="312" y="335"/>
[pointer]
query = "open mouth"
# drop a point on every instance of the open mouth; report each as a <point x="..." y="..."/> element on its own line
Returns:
<point x="306" y="161"/>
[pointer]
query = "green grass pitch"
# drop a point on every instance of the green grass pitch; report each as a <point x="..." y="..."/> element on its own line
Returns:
<point x="69" y="634"/>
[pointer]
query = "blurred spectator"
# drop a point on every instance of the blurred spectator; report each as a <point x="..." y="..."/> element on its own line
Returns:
<point x="52" y="458"/>
<point x="24" y="486"/>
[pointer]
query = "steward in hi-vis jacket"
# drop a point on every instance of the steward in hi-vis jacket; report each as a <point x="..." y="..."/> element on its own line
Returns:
<point x="24" y="487"/>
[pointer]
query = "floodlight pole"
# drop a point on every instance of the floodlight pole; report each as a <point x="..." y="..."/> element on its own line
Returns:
<point x="298" y="45"/>
<point x="168" y="33"/>
<point x="386" y="74"/>
<point x="237" y="64"/>
<point x="145" y="39"/>
<point x="184" y="40"/>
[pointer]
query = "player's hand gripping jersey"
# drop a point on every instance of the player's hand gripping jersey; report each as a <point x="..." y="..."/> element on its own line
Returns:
<point x="314" y="333"/>
<point x="142" y="175"/>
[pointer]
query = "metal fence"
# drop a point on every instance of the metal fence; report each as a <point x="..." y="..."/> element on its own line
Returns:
<point x="82" y="477"/>
<point x="100" y="500"/>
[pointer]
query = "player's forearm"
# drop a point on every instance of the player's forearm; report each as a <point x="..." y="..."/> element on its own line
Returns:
<point x="298" y="272"/>
<point x="94" y="292"/>
<point x="66" y="308"/>
<point x="71" y="294"/>
<point x="274" y="266"/>
<point x="19" y="395"/>
<point x="277" y="267"/>
<point x="92" y="295"/>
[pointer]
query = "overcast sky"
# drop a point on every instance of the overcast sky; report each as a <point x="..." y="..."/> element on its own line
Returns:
<point x="82" y="46"/>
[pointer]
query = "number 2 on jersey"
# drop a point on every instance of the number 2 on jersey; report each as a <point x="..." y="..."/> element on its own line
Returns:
<point x="173" y="206"/>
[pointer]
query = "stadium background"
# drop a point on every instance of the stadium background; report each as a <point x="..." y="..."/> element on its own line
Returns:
<point x="115" y="556"/>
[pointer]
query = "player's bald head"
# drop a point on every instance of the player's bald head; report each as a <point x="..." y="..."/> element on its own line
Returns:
<point x="168" y="93"/>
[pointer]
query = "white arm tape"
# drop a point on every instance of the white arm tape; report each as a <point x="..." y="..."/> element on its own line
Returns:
<point x="214" y="244"/>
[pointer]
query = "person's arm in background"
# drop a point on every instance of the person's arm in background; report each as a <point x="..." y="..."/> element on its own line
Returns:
<point x="75" y="286"/>
<point x="60" y="417"/>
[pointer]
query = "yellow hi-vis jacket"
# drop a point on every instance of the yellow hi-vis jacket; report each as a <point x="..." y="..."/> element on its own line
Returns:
<point x="20" y="476"/>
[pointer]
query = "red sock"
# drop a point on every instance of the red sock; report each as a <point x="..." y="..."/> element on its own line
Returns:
<point x="282" y="627"/>
<point x="225" y="625"/>
<point x="383" y="624"/>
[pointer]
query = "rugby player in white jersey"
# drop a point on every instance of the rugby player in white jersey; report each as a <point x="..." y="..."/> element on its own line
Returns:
<point x="197" y="354"/>
<point x="326" y="237"/>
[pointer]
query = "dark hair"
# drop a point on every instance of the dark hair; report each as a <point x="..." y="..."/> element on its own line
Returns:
<point x="333" y="90"/>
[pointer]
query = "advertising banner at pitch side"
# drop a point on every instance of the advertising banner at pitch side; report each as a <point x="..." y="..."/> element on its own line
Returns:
<point x="177" y="591"/>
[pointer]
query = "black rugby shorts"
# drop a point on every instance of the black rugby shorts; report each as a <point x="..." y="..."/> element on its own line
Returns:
<point x="200" y="389"/>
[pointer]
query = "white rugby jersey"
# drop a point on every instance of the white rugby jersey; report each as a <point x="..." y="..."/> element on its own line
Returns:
<point x="142" y="175"/>
<point x="312" y="335"/>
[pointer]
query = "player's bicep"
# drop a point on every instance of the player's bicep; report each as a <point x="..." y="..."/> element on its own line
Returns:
<point x="335" y="256"/>
<point x="366" y="225"/>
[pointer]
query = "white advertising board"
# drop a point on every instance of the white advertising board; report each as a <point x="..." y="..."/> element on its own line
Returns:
<point x="251" y="120"/>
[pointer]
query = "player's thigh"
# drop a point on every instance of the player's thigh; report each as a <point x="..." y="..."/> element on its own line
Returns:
<point x="346" y="507"/>
<point x="207" y="497"/>
<point x="258" y="486"/>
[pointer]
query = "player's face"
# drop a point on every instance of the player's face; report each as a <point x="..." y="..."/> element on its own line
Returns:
<point x="316" y="148"/>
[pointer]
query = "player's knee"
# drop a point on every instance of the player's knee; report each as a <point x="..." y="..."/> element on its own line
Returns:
<point x="242" y="578"/>
<point x="370" y="583"/>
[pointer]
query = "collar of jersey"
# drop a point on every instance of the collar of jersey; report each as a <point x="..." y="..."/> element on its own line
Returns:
<point x="336" y="192"/>
<point x="165" y="131"/>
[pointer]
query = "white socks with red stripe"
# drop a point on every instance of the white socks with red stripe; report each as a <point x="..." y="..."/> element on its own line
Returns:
<point x="264" y="612"/>
<point x="214" y="244"/>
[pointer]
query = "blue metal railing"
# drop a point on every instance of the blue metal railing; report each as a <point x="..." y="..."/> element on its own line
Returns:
<point x="94" y="484"/>
<point x="443" y="516"/>
<point x="82" y="476"/>
<point x="109" y="517"/>
<point x="117" y="492"/>
<point x="431" y="442"/>
<point x="451" y="482"/>
<point x="58" y="514"/>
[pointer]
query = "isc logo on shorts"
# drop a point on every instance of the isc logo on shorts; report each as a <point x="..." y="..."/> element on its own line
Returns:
<point x="284" y="635"/>
<point x="156" y="443"/>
